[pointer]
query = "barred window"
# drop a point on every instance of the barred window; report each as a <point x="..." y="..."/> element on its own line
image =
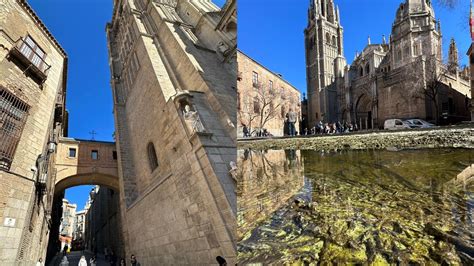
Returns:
<point x="13" y="113"/>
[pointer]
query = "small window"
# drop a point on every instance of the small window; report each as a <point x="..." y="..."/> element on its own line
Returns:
<point x="152" y="158"/>
<point x="72" y="152"/>
<point x="256" y="105"/>
<point x="270" y="85"/>
<point x="398" y="122"/>
<point x="254" y="79"/>
<point x="114" y="155"/>
<point x="95" y="155"/>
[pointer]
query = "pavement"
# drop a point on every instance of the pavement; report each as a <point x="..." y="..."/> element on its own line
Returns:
<point x="74" y="256"/>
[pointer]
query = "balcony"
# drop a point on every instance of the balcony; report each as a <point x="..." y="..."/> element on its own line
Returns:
<point x="30" y="58"/>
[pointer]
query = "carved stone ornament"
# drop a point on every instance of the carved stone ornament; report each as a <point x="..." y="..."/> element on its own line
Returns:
<point x="192" y="119"/>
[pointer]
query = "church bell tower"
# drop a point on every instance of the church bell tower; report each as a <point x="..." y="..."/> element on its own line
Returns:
<point x="325" y="60"/>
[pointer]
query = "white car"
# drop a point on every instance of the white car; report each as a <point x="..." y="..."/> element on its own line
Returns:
<point x="394" y="124"/>
<point x="419" y="123"/>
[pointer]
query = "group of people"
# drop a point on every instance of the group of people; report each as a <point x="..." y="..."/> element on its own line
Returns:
<point x="289" y="128"/>
<point x="93" y="261"/>
<point x="331" y="128"/>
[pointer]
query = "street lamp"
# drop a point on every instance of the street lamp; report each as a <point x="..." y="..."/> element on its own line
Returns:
<point x="51" y="146"/>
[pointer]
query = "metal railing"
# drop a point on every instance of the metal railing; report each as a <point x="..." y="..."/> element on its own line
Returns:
<point x="33" y="54"/>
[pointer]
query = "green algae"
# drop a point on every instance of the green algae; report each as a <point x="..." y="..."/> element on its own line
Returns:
<point x="367" y="208"/>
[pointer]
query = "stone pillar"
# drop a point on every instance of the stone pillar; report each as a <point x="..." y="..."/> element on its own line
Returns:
<point x="470" y="53"/>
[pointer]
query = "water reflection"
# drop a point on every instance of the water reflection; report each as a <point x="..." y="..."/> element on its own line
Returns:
<point x="381" y="207"/>
<point x="267" y="180"/>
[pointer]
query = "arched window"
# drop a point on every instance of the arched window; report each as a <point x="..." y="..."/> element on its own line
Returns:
<point x="328" y="38"/>
<point x="231" y="27"/>
<point x="334" y="40"/>
<point x="152" y="159"/>
<point x="367" y="69"/>
<point x="361" y="72"/>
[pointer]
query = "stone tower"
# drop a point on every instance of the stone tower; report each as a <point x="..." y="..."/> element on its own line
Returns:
<point x="453" y="59"/>
<point x="173" y="77"/>
<point x="415" y="32"/>
<point x="325" y="61"/>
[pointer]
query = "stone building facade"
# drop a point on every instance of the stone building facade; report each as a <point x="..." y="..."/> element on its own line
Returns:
<point x="33" y="72"/>
<point x="470" y="53"/>
<point x="68" y="223"/>
<point x="264" y="98"/>
<point x="174" y="85"/>
<point x="403" y="77"/>
<point x="79" y="229"/>
<point x="102" y="222"/>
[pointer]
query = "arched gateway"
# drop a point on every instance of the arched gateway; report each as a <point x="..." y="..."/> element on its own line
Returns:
<point x="84" y="162"/>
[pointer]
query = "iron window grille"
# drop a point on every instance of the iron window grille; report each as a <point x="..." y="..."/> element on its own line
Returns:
<point x="13" y="114"/>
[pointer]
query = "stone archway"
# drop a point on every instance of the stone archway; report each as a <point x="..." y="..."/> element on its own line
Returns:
<point x="109" y="181"/>
<point x="85" y="162"/>
<point x="363" y="111"/>
<point x="82" y="162"/>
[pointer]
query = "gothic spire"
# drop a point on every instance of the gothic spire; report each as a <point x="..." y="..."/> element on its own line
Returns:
<point x="453" y="59"/>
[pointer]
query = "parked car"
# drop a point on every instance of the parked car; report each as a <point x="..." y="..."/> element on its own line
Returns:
<point x="394" y="124"/>
<point x="419" y="123"/>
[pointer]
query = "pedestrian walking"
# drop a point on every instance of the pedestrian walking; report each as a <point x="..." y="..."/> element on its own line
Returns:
<point x="221" y="261"/>
<point x="133" y="261"/>
<point x="112" y="258"/>
<point x="40" y="262"/>
<point x="292" y="118"/>
<point x="122" y="262"/>
<point x="93" y="261"/>
<point x="64" y="261"/>
<point x="82" y="261"/>
<point x="245" y="130"/>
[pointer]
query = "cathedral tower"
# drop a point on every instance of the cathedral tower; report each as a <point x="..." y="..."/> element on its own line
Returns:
<point x="453" y="58"/>
<point x="415" y="32"/>
<point x="325" y="60"/>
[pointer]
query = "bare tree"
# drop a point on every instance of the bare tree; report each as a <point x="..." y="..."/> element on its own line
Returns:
<point x="425" y="79"/>
<point x="260" y="107"/>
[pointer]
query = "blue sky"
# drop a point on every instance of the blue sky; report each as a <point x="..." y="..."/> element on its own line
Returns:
<point x="271" y="31"/>
<point x="79" y="26"/>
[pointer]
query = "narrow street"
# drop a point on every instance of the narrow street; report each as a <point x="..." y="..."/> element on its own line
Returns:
<point x="75" y="256"/>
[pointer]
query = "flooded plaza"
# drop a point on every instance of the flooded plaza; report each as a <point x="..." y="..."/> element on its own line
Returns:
<point x="374" y="207"/>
